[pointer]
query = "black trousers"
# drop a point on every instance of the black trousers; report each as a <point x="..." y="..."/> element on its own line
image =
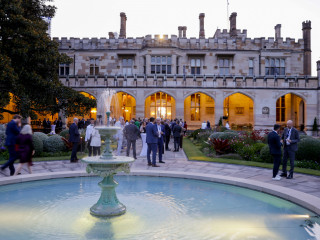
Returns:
<point x="176" y="143"/>
<point x="96" y="151"/>
<point x="74" y="152"/>
<point x="276" y="164"/>
<point x="167" y="140"/>
<point x="133" y="143"/>
<point x="12" y="157"/>
<point x="288" y="153"/>
<point x="89" y="148"/>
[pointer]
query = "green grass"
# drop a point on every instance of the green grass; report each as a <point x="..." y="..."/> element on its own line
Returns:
<point x="194" y="153"/>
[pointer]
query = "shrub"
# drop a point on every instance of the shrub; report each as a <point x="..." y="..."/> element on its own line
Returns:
<point x="41" y="136"/>
<point x="65" y="133"/>
<point x="54" y="144"/>
<point x="308" y="164"/>
<point x="2" y="135"/>
<point x="251" y="152"/>
<point x="265" y="154"/>
<point x="38" y="144"/>
<point x="224" y="135"/>
<point x="309" y="149"/>
<point x="305" y="136"/>
<point x="221" y="146"/>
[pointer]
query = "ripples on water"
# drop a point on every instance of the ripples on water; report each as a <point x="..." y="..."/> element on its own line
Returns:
<point x="157" y="208"/>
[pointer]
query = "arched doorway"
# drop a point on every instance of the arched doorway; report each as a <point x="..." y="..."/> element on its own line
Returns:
<point x="199" y="108"/>
<point x="124" y="105"/>
<point x="290" y="107"/>
<point x="91" y="114"/>
<point x="160" y="105"/>
<point x="238" y="111"/>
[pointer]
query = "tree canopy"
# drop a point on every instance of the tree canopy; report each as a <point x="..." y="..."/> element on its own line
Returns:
<point x="29" y="62"/>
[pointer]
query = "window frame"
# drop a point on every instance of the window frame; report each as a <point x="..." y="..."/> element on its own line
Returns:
<point x="275" y="66"/>
<point x="94" y="67"/>
<point x="195" y="107"/>
<point x="66" y="69"/>
<point x="161" y="64"/>
<point x="195" y="65"/>
<point x="224" y="70"/>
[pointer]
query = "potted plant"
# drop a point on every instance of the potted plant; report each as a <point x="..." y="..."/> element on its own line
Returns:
<point x="315" y="127"/>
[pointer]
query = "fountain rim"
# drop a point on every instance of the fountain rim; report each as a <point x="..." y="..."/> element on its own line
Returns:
<point x="304" y="200"/>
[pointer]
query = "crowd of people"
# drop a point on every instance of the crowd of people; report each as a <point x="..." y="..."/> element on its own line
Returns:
<point x="156" y="134"/>
<point x="19" y="144"/>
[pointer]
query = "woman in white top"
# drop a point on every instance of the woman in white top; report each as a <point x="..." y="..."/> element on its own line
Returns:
<point x="143" y="138"/>
<point x="95" y="141"/>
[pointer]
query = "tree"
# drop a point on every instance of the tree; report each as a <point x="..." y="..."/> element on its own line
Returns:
<point x="29" y="62"/>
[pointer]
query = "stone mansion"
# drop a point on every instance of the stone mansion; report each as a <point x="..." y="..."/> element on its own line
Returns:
<point x="249" y="82"/>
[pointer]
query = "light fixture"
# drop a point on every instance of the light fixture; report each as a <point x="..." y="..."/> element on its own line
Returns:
<point x="93" y="110"/>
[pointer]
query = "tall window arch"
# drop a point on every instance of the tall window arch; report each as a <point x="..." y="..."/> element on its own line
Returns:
<point x="160" y="105"/>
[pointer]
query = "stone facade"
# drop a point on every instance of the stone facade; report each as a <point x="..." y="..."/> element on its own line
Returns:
<point x="262" y="69"/>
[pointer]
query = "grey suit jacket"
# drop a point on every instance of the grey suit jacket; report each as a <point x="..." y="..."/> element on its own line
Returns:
<point x="294" y="137"/>
<point x="131" y="132"/>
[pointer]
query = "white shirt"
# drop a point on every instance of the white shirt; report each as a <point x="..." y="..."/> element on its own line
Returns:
<point x="88" y="132"/>
<point x="288" y="138"/>
<point x="159" y="130"/>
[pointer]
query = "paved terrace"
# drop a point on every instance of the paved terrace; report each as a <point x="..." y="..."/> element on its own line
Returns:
<point x="178" y="162"/>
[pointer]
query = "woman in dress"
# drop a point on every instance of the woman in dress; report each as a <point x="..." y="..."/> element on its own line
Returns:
<point x="25" y="148"/>
<point x="143" y="138"/>
<point x="95" y="141"/>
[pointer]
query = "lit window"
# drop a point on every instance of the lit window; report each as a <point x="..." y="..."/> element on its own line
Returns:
<point x="281" y="109"/>
<point x="94" y="66"/>
<point x="161" y="105"/>
<point x="195" y="107"/>
<point x="161" y="65"/>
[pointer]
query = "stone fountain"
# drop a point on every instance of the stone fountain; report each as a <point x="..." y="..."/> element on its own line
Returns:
<point x="106" y="166"/>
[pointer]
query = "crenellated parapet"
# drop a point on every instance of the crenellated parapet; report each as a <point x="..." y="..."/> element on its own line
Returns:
<point x="216" y="43"/>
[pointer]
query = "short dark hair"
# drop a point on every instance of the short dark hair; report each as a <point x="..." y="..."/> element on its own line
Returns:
<point x="17" y="116"/>
<point x="152" y="119"/>
<point x="276" y="127"/>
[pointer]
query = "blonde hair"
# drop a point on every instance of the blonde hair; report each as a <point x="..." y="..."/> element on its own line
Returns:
<point x="26" y="130"/>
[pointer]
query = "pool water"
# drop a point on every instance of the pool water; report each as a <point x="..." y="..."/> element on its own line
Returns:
<point x="157" y="208"/>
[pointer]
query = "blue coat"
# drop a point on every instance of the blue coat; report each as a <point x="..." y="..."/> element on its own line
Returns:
<point x="274" y="143"/>
<point x="152" y="133"/>
<point x="12" y="133"/>
<point x="74" y="133"/>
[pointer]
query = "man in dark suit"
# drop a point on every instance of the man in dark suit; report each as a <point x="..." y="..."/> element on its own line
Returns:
<point x="290" y="139"/>
<point x="177" y="129"/>
<point x="275" y="150"/>
<point x="75" y="139"/>
<point x="12" y="132"/>
<point x="167" y="131"/>
<point x="131" y="133"/>
<point x="161" y="135"/>
<point x="152" y="141"/>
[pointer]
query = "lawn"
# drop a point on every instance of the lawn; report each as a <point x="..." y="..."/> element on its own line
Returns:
<point x="194" y="153"/>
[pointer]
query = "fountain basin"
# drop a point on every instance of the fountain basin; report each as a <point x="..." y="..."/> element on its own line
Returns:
<point x="158" y="208"/>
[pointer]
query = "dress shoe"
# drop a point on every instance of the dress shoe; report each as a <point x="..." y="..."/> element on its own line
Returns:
<point x="155" y="165"/>
<point x="168" y="149"/>
<point x="161" y="162"/>
<point x="290" y="176"/>
<point x="149" y="164"/>
<point x="283" y="175"/>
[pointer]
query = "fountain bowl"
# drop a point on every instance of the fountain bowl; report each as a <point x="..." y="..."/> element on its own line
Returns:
<point x="106" y="166"/>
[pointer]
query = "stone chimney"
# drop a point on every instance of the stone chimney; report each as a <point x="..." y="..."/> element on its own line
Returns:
<point x="201" y="32"/>
<point x="111" y="35"/>
<point x="306" y="29"/>
<point x="277" y="29"/>
<point x="123" y="25"/>
<point x="184" y="31"/>
<point x="180" y="31"/>
<point x="233" y="24"/>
